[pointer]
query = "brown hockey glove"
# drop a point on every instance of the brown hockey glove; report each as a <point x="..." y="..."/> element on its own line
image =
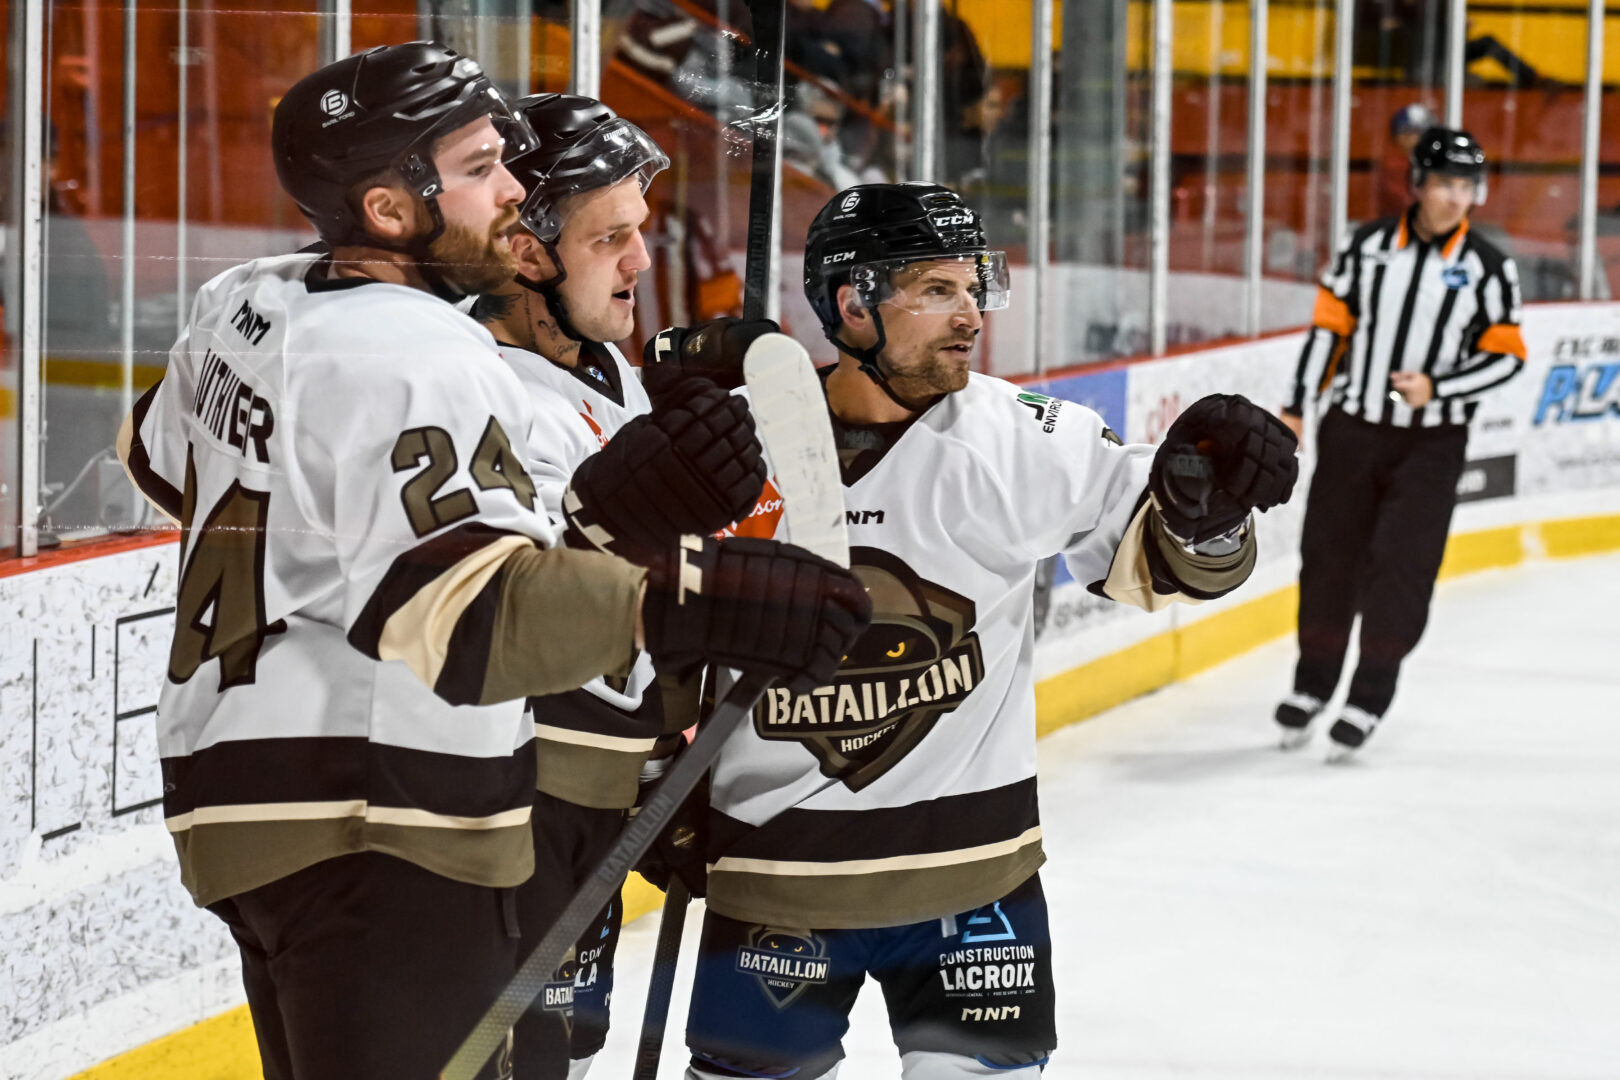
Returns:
<point x="762" y="607"/>
<point x="1223" y="457"/>
<point x="712" y="350"/>
<point x="691" y="466"/>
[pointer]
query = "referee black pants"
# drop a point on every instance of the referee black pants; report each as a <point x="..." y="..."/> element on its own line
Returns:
<point x="1375" y="531"/>
<point x="368" y="967"/>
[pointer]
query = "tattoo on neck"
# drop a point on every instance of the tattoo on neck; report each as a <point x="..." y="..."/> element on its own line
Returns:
<point x="492" y="307"/>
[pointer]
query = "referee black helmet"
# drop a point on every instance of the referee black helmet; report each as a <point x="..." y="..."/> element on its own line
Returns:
<point x="1449" y="152"/>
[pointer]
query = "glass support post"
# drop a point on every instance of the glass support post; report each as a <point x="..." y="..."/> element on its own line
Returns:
<point x="1456" y="61"/>
<point x="31" y="354"/>
<point x="1592" y="123"/>
<point x="925" y="98"/>
<point x="1254" y="232"/>
<point x="126" y="304"/>
<point x="335" y="27"/>
<point x="1344" y="29"/>
<point x="1159" y="234"/>
<point x="585" y="47"/>
<point x="182" y="60"/>
<point x="1040" y="175"/>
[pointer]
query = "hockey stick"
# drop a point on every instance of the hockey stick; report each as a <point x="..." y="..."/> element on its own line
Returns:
<point x="770" y="29"/>
<point x="661" y="988"/>
<point x="780" y="374"/>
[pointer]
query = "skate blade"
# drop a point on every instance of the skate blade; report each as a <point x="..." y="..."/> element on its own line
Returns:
<point x="1292" y="738"/>
<point x="1342" y="755"/>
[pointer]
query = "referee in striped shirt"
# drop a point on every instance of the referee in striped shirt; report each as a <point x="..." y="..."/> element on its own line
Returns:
<point x="1416" y="319"/>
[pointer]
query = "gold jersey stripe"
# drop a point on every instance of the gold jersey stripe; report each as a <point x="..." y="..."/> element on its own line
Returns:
<point x="343" y="808"/>
<point x="929" y="861"/>
<point x="616" y="743"/>
<point x="419" y="632"/>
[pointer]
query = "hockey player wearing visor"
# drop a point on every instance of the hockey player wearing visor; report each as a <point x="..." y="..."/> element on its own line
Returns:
<point x="887" y="825"/>
<point x="370" y="586"/>
<point x="687" y="464"/>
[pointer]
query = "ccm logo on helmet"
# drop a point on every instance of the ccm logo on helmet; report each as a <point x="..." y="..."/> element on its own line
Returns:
<point x="838" y="257"/>
<point x="960" y="217"/>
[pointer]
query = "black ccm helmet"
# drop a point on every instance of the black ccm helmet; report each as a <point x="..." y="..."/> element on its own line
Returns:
<point x="375" y="111"/>
<point x="582" y="145"/>
<point x="1449" y="152"/>
<point x="867" y="233"/>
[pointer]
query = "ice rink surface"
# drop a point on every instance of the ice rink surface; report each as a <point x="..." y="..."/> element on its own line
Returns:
<point x="1446" y="907"/>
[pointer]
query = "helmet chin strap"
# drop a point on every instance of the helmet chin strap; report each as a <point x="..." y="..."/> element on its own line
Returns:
<point x="872" y="369"/>
<point x="549" y="291"/>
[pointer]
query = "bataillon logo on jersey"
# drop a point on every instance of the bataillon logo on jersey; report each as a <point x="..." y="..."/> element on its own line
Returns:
<point x="919" y="660"/>
<point x="557" y="996"/>
<point x="783" y="962"/>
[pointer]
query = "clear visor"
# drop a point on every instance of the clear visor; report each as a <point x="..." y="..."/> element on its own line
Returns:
<point x="417" y="166"/>
<point x="614" y="152"/>
<point x="936" y="286"/>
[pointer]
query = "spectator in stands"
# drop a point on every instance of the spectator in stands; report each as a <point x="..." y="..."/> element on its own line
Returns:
<point x="810" y="136"/>
<point x="1395" y="170"/>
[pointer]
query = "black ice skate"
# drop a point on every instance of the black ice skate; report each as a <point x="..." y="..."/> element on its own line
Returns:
<point x="1350" y="731"/>
<point x="1296" y="716"/>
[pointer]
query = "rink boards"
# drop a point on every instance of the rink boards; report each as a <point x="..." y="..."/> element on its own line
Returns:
<point x="101" y="950"/>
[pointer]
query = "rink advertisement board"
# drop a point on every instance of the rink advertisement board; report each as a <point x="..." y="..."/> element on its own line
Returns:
<point x="1561" y="416"/>
<point x="101" y="949"/>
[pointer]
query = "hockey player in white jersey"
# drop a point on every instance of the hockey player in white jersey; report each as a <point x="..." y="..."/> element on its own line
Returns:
<point x="690" y="465"/>
<point x="370" y="588"/>
<point x="887" y="824"/>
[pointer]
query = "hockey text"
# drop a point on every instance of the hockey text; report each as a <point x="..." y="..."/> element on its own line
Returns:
<point x="250" y="324"/>
<point x="856" y="701"/>
<point x="797" y="968"/>
<point x="1006" y="1012"/>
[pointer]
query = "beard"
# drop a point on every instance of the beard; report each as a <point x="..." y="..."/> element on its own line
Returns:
<point x="472" y="261"/>
<point x="927" y="372"/>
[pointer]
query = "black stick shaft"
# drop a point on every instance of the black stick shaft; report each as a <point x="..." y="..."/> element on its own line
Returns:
<point x="770" y="26"/>
<point x="604" y="881"/>
<point x="661" y="988"/>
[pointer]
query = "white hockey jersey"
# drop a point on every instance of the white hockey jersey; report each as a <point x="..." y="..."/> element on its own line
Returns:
<point x="906" y="790"/>
<point x="344" y="458"/>
<point x="591" y="742"/>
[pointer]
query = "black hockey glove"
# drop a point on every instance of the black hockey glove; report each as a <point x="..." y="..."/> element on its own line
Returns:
<point x="713" y="350"/>
<point x="1222" y="458"/>
<point x="757" y="605"/>
<point x="691" y="466"/>
<point x="680" y="850"/>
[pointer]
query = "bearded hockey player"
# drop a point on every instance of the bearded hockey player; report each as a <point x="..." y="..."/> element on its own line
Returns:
<point x="692" y="466"/>
<point x="370" y="587"/>
<point x="887" y="824"/>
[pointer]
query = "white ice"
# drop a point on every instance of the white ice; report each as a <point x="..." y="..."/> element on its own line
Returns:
<point x="1446" y="907"/>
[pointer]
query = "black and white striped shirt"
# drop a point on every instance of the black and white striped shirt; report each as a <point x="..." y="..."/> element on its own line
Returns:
<point x="1391" y="301"/>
